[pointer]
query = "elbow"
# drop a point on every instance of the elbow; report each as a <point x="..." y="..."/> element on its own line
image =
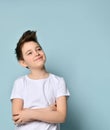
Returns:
<point x="63" y="118"/>
<point x="62" y="121"/>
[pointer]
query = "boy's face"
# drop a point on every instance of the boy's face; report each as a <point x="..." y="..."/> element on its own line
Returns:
<point x="33" y="56"/>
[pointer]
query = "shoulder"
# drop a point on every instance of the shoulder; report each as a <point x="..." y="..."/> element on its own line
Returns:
<point x="20" y="79"/>
<point x="59" y="85"/>
<point x="56" y="78"/>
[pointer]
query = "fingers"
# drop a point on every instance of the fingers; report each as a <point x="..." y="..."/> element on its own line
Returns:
<point x="53" y="107"/>
<point x="15" y="114"/>
<point x="16" y="119"/>
<point x="18" y="122"/>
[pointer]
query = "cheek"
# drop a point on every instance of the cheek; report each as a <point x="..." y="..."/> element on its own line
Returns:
<point x="44" y="56"/>
<point x="27" y="60"/>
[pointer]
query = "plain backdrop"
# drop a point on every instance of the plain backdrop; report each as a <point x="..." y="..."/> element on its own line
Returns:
<point x="75" y="35"/>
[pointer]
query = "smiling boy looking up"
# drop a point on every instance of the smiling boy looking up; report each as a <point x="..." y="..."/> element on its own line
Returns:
<point x="39" y="99"/>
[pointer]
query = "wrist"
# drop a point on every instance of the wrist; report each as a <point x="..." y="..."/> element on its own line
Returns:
<point x="32" y="114"/>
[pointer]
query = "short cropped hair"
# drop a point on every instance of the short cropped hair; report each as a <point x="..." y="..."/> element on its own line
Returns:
<point x="26" y="37"/>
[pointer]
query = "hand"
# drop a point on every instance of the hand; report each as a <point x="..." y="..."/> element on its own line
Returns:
<point x="53" y="107"/>
<point x="22" y="117"/>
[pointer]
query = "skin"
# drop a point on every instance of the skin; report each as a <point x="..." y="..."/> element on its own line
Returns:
<point x="34" y="58"/>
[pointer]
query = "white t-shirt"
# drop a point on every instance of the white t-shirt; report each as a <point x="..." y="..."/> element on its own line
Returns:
<point x="39" y="94"/>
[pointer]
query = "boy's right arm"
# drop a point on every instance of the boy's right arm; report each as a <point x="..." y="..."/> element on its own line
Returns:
<point x="17" y="107"/>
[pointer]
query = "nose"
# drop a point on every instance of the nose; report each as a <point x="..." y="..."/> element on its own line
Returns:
<point x="36" y="53"/>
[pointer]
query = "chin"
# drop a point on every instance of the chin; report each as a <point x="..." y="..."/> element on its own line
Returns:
<point x="40" y="65"/>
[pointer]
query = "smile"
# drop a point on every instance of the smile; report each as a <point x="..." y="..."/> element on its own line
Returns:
<point x="39" y="58"/>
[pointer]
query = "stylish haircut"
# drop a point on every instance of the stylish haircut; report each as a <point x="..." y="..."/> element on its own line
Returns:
<point x="26" y="37"/>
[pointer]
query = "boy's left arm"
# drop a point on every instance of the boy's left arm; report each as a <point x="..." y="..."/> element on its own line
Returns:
<point x="57" y="116"/>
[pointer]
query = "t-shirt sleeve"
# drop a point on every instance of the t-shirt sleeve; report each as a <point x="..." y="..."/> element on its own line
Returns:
<point x="17" y="91"/>
<point x="62" y="89"/>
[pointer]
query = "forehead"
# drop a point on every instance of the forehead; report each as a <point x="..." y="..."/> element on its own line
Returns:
<point x="29" y="45"/>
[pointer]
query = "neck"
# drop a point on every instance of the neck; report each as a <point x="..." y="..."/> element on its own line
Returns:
<point x="38" y="74"/>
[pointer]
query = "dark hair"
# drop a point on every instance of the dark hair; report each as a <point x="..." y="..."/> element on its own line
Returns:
<point x="26" y="37"/>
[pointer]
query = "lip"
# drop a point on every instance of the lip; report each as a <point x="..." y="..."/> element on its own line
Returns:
<point x="38" y="58"/>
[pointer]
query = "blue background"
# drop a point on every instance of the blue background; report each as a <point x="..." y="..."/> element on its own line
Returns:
<point x="75" y="35"/>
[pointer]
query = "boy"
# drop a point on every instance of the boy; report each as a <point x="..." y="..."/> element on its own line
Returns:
<point x="39" y="99"/>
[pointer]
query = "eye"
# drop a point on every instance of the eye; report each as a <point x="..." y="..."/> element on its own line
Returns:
<point x="29" y="53"/>
<point x="39" y="49"/>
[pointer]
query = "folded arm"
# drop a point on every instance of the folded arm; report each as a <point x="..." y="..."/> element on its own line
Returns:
<point x="52" y="114"/>
<point x="57" y="116"/>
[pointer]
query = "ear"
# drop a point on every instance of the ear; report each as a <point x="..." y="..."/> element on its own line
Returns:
<point x="22" y="63"/>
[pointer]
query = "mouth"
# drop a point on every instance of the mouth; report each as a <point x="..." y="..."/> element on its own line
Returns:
<point x="38" y="58"/>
